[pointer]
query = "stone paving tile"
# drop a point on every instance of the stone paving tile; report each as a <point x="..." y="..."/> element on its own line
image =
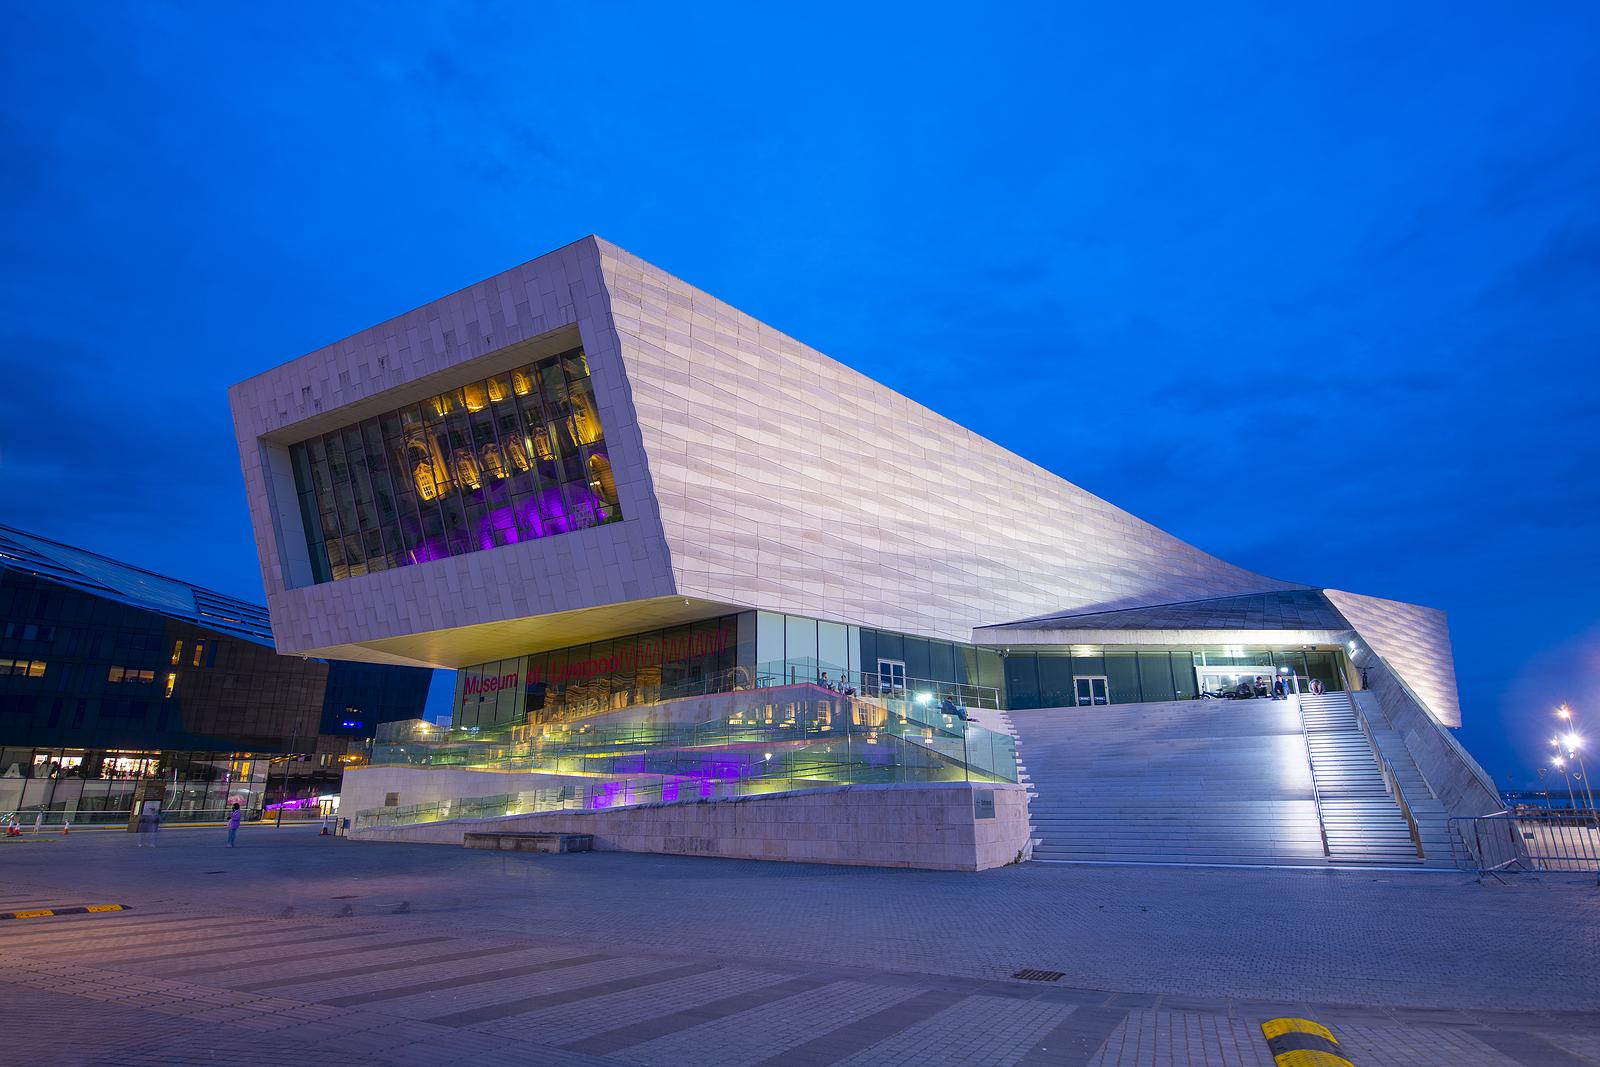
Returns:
<point x="1585" y="1043"/>
<point x="1184" y="1039"/>
<point x="643" y="983"/>
<point x="980" y="1031"/>
<point x="308" y="982"/>
<point x="1422" y="1046"/>
<point x="567" y="1024"/>
<point x="281" y="968"/>
<point x="314" y="988"/>
<point x="753" y="1036"/>
<point x="860" y="1034"/>
<point x="560" y="974"/>
<point x="1411" y="981"/>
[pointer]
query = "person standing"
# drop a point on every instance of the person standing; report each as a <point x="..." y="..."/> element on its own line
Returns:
<point x="233" y="823"/>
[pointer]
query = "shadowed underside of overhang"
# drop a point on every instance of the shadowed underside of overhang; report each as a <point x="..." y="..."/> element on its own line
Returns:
<point x="465" y="646"/>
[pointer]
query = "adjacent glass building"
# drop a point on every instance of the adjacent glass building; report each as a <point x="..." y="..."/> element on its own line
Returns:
<point x="115" y="675"/>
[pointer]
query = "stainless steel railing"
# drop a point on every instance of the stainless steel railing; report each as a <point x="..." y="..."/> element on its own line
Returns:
<point x="1311" y="768"/>
<point x="1391" y="780"/>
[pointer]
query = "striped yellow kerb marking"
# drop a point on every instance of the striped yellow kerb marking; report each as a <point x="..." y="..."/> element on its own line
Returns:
<point x="1277" y="1027"/>
<point x="1311" y="1058"/>
<point x="45" y="913"/>
<point x="1302" y="1043"/>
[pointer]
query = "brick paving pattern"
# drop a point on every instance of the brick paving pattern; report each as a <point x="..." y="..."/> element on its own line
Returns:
<point x="303" y="949"/>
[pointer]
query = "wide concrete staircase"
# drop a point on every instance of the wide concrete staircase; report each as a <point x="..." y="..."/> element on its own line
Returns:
<point x="1431" y="817"/>
<point x="1222" y="782"/>
<point x="1208" y="781"/>
<point x="1363" y="822"/>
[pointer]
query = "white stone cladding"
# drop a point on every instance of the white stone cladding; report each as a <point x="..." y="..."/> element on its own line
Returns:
<point x="1414" y="641"/>
<point x="752" y="472"/>
<point x="417" y="614"/>
<point x="787" y="481"/>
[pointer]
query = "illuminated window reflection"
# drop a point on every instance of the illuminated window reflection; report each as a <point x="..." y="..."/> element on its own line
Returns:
<point x="518" y="456"/>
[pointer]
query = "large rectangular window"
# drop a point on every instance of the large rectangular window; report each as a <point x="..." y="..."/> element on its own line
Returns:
<point x="518" y="456"/>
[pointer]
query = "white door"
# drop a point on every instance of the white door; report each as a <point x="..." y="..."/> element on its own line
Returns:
<point x="891" y="676"/>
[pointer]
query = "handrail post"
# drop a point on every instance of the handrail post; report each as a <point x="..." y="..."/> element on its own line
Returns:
<point x="1311" y="768"/>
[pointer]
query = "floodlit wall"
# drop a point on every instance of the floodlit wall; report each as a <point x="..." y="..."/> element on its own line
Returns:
<point x="787" y="481"/>
<point x="752" y="471"/>
<point x="933" y="827"/>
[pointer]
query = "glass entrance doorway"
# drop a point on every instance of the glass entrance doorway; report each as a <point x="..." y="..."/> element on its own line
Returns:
<point x="891" y="676"/>
<point x="1244" y="682"/>
<point x="1092" y="689"/>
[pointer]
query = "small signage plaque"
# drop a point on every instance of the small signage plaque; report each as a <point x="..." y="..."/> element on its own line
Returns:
<point x="983" y="804"/>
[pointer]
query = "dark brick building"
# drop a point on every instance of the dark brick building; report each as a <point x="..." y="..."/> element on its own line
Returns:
<point x="110" y="674"/>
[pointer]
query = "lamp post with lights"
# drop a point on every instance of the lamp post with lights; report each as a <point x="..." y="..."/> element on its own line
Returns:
<point x="1573" y="742"/>
<point x="1559" y="763"/>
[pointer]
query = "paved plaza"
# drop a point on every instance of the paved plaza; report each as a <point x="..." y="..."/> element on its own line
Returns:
<point x="298" y="948"/>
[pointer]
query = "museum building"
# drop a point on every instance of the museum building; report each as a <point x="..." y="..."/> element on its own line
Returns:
<point x="596" y="491"/>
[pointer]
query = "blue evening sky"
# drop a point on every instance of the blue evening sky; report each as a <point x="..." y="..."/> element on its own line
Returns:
<point x="1314" y="290"/>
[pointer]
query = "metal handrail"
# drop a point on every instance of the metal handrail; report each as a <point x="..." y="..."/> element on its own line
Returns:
<point x="1391" y="780"/>
<point x="1450" y="739"/>
<point x="1311" y="766"/>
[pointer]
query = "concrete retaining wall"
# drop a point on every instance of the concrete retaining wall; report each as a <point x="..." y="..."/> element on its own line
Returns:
<point x="365" y="787"/>
<point x="931" y="826"/>
<point x="1455" y="778"/>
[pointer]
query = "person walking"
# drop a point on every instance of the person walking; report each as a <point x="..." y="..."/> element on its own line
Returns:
<point x="233" y="823"/>
<point x="149" y="824"/>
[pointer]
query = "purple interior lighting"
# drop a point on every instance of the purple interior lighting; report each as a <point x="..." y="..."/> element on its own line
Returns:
<point x="431" y="549"/>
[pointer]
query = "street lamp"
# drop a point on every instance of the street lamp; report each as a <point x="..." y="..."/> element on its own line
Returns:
<point x="1574" y="743"/>
<point x="1561" y="765"/>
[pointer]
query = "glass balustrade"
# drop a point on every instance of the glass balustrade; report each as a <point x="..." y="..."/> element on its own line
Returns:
<point x="778" y="737"/>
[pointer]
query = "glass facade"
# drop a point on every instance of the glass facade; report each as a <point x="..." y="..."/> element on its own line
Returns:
<point x="570" y="683"/>
<point x="96" y="786"/>
<point x="109" y="675"/>
<point x="517" y="456"/>
<point x="1051" y="679"/>
<point x="750" y="649"/>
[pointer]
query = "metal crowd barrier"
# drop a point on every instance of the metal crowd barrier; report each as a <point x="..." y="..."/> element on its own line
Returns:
<point x="1554" y="841"/>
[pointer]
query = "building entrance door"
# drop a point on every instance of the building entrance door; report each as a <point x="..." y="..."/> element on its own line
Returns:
<point x="1092" y="689"/>
<point x="891" y="677"/>
<point x="1226" y="681"/>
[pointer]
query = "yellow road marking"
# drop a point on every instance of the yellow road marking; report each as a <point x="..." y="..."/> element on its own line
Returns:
<point x="1311" y="1058"/>
<point x="1275" y="1027"/>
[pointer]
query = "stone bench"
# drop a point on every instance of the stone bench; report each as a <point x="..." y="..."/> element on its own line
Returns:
<point x="524" y="842"/>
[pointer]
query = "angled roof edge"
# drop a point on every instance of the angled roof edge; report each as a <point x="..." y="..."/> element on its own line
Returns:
<point x="1414" y="641"/>
<point x="1178" y="614"/>
<point x="99" y="575"/>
